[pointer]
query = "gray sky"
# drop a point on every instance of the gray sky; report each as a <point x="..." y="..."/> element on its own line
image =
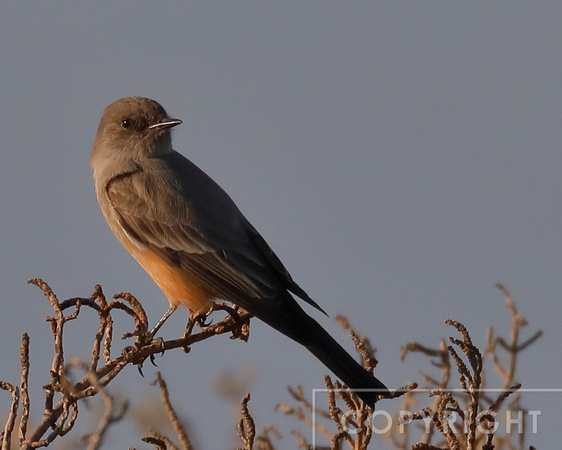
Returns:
<point x="401" y="158"/>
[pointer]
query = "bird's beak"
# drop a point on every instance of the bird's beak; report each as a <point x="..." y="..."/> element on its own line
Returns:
<point x="167" y="123"/>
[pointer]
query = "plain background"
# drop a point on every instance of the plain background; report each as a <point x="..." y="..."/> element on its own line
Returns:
<point x="401" y="157"/>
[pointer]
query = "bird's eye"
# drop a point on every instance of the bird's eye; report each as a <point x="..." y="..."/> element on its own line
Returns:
<point x="126" y="123"/>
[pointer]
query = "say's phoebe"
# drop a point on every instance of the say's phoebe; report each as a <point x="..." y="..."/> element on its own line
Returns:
<point x="191" y="238"/>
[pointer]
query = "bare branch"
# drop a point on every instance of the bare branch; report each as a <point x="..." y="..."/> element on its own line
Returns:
<point x="172" y="415"/>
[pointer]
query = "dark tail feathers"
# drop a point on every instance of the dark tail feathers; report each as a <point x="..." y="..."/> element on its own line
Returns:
<point x="286" y="316"/>
<point x="345" y="367"/>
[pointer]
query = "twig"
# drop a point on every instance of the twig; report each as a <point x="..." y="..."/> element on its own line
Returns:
<point x="246" y="425"/>
<point x="24" y="386"/>
<point x="172" y="415"/>
<point x="10" y="423"/>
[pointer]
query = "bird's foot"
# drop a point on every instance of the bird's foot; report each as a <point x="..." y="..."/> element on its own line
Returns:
<point x="145" y="340"/>
<point x="202" y="319"/>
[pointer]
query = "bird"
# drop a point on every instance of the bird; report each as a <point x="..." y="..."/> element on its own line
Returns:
<point x="188" y="234"/>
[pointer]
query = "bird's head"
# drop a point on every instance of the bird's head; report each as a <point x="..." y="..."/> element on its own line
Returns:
<point x="132" y="129"/>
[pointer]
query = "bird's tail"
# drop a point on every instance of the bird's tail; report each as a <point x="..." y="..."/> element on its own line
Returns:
<point x="342" y="364"/>
<point x="292" y="321"/>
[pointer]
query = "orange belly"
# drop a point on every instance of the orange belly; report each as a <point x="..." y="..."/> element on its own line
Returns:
<point x="178" y="286"/>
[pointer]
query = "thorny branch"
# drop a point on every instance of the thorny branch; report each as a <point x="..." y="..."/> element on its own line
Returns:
<point x="172" y="415"/>
<point x="344" y="412"/>
<point x="480" y="408"/>
<point x="62" y="396"/>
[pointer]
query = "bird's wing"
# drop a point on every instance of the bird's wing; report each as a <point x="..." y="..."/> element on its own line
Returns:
<point x="193" y="224"/>
<point x="227" y="229"/>
<point x="275" y="262"/>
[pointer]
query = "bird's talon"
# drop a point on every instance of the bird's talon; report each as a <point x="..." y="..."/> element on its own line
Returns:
<point x="161" y="343"/>
<point x="205" y="321"/>
<point x="201" y="319"/>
